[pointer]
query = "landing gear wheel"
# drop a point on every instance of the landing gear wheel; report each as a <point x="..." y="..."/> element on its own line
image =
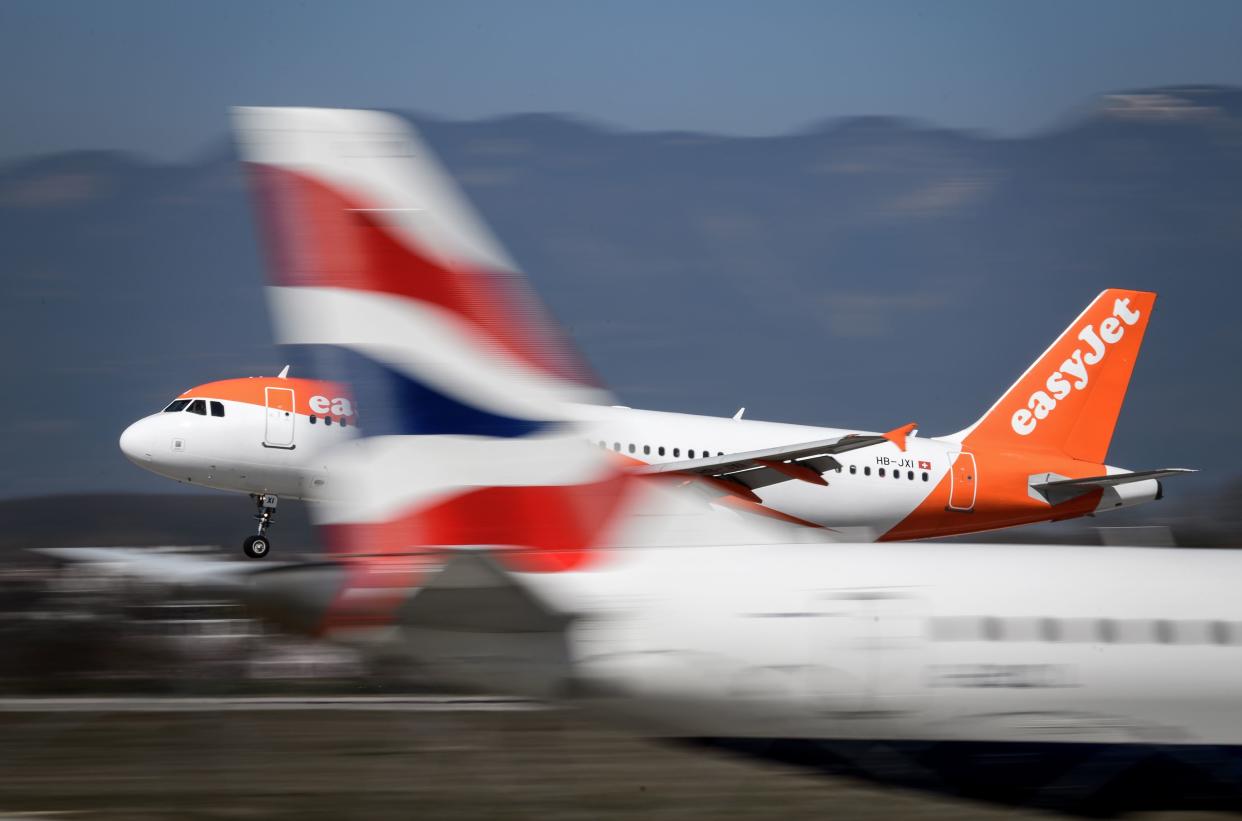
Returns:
<point x="256" y="547"/>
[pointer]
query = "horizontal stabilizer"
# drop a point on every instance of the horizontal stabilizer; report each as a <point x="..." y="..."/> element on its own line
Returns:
<point x="804" y="461"/>
<point x="1056" y="489"/>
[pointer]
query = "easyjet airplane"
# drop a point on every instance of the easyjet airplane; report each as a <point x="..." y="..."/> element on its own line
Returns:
<point x="1037" y="455"/>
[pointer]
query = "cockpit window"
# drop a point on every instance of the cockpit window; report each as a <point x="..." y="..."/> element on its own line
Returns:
<point x="176" y="405"/>
<point x="198" y="406"/>
<point x="217" y="408"/>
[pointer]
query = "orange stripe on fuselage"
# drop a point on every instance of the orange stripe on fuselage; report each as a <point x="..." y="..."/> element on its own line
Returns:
<point x="1003" y="498"/>
<point x="253" y="391"/>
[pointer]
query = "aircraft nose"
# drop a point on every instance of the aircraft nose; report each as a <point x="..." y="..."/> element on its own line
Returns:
<point x="136" y="442"/>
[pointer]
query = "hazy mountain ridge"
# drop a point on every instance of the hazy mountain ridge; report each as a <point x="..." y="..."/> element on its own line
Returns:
<point x="861" y="272"/>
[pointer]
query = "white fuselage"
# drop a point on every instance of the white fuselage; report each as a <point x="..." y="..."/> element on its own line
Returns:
<point x="875" y="489"/>
<point x="963" y="642"/>
<point x="860" y="502"/>
<point x="233" y="452"/>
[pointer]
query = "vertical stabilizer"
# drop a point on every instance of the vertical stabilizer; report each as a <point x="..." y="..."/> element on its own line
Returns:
<point x="1069" y="399"/>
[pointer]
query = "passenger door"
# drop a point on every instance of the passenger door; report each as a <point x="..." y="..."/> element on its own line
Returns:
<point x="280" y="418"/>
<point x="963" y="479"/>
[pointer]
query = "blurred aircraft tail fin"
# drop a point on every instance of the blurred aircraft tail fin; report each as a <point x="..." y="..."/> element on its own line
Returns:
<point x="463" y="377"/>
<point x="466" y="389"/>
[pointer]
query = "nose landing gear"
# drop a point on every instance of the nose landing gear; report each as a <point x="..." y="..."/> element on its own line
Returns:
<point x="257" y="546"/>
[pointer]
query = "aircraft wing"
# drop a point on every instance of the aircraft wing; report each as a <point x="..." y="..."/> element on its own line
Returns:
<point x="742" y="473"/>
<point x="1051" y="486"/>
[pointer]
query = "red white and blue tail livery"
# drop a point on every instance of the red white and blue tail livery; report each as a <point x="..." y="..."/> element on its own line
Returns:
<point x="467" y="386"/>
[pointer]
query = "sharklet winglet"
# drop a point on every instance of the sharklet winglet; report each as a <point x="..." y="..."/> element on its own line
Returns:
<point x="898" y="435"/>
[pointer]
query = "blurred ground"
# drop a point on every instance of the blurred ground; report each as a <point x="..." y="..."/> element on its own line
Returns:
<point x="339" y="764"/>
<point x="253" y="733"/>
<point x="545" y="764"/>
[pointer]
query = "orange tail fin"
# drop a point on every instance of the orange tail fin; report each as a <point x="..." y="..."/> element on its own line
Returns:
<point x="1069" y="399"/>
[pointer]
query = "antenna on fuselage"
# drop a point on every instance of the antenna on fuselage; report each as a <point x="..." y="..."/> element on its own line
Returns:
<point x="283" y="372"/>
<point x="739" y="413"/>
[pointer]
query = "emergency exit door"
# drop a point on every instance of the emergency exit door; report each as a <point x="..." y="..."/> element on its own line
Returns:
<point x="963" y="480"/>
<point x="280" y="418"/>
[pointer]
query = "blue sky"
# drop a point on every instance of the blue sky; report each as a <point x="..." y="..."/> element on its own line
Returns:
<point x="156" y="77"/>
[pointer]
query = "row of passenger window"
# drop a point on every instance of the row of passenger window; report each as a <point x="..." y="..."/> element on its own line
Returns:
<point x="690" y="454"/>
<point x="327" y="420"/>
<point x="198" y="406"/>
<point x="881" y="472"/>
<point x="659" y="450"/>
<point x="1091" y="631"/>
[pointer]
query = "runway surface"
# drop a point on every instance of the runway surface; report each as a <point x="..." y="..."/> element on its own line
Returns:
<point x="380" y="758"/>
<point x="264" y="704"/>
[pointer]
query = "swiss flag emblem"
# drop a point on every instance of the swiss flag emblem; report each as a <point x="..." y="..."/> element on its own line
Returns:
<point x="924" y="465"/>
